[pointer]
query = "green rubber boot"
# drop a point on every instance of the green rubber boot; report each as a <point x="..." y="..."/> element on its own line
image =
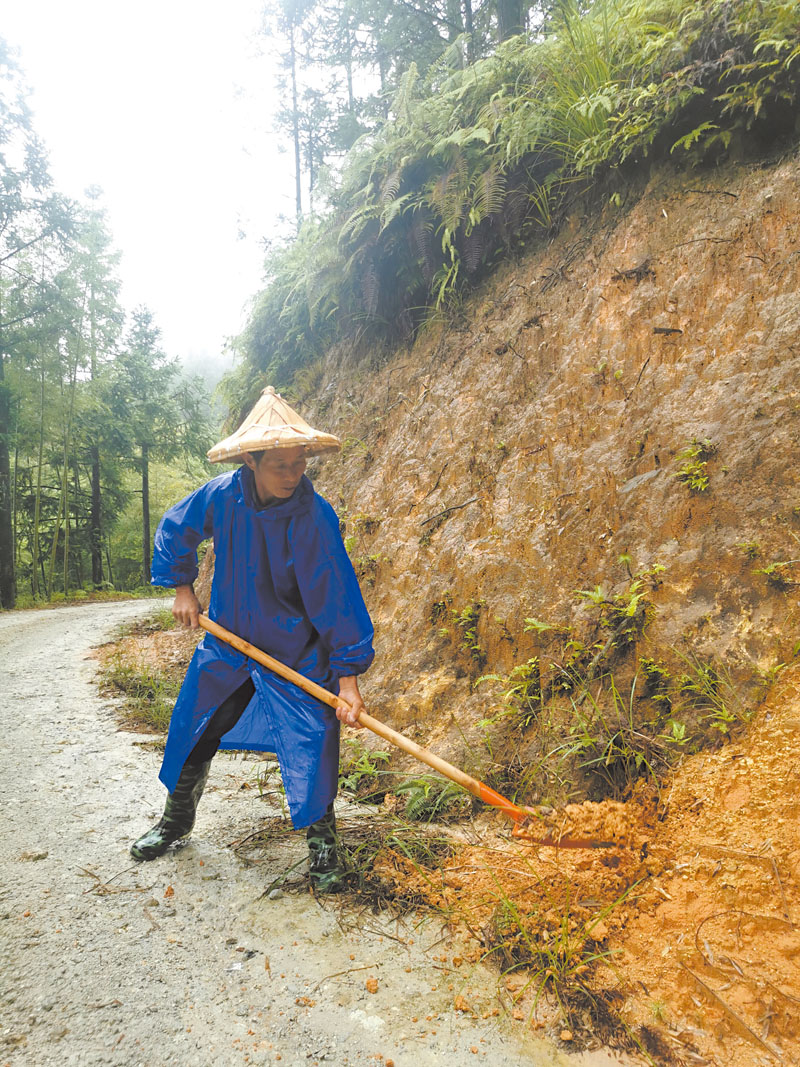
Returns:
<point x="179" y="813"/>
<point x="326" y="872"/>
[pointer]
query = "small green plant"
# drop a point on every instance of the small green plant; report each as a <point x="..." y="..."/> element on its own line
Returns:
<point x="778" y="574"/>
<point x="710" y="692"/>
<point x="693" y="471"/>
<point x="466" y="623"/>
<point x="656" y="680"/>
<point x="521" y="690"/>
<point x="751" y="549"/>
<point x="360" y="771"/>
<point x="658" y="1009"/>
<point x="625" y="613"/>
<point x="367" y="567"/>
<point x="430" y="799"/>
<point x="365" y="524"/>
<point x="351" y="445"/>
<point x="350" y="544"/>
<point x="595" y="596"/>
<point x="440" y="608"/>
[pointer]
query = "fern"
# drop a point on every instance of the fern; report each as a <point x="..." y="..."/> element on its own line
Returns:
<point x="473" y="155"/>
<point x="489" y="194"/>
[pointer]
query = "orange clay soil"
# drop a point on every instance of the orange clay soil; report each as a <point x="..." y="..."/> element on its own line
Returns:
<point x="713" y="944"/>
<point x="695" y="908"/>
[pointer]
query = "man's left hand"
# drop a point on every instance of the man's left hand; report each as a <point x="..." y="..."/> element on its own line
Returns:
<point x="348" y="690"/>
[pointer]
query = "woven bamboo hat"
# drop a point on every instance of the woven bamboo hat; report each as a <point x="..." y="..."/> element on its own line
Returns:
<point x="272" y="425"/>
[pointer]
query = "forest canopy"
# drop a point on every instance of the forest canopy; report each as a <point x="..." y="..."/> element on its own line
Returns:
<point x="88" y="401"/>
<point x="478" y="142"/>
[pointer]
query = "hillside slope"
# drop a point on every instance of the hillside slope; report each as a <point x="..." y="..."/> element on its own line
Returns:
<point x="529" y="450"/>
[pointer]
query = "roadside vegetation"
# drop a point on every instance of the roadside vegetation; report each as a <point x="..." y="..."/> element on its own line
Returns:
<point x="477" y="159"/>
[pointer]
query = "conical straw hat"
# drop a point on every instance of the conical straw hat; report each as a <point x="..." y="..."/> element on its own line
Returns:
<point x="272" y="424"/>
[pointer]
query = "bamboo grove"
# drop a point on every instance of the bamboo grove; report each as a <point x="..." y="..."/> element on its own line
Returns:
<point x="483" y="149"/>
<point x="88" y="401"/>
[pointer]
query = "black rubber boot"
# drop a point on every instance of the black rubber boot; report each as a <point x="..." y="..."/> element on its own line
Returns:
<point x="326" y="872"/>
<point x="179" y="813"/>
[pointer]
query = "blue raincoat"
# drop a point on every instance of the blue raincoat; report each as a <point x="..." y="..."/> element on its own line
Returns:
<point x="284" y="582"/>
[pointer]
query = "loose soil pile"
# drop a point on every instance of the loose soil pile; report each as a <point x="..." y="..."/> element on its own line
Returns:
<point x="683" y="937"/>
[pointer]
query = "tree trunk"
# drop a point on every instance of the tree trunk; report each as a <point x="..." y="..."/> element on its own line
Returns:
<point x="14" y="492"/>
<point x="510" y="18"/>
<point x="37" y="507"/>
<point x="95" y="527"/>
<point x="8" y="592"/>
<point x="145" y="515"/>
<point x="108" y="566"/>
<point x="95" y="515"/>
<point x="312" y="174"/>
<point x="73" y="376"/>
<point x="295" y="129"/>
<point x="469" y="29"/>
<point x="51" y="570"/>
<point x="348" y="68"/>
<point x="455" y="25"/>
<point x="76" y="489"/>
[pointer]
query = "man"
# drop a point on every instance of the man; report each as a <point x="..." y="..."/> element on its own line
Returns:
<point x="284" y="582"/>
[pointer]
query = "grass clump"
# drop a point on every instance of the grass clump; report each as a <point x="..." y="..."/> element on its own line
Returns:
<point x="150" y="692"/>
<point x="361" y="771"/>
<point x="521" y="692"/>
<point x="693" y="471"/>
<point x="612" y="746"/>
<point x="708" y="691"/>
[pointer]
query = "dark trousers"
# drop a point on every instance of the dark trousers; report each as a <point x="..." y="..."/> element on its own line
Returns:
<point x="223" y="719"/>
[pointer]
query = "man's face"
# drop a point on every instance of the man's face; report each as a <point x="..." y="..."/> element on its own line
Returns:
<point x="278" y="473"/>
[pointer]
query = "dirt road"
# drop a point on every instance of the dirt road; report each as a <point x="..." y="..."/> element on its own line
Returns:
<point x="181" y="961"/>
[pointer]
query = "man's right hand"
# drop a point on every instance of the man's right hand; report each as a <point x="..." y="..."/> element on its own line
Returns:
<point x="186" y="607"/>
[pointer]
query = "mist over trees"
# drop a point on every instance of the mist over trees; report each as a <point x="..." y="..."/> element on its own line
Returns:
<point x="86" y="405"/>
<point x="430" y="142"/>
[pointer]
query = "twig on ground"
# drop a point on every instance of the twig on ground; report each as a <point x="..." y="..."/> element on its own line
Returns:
<point x="730" y="1011"/>
<point x="784" y="901"/>
<point x="455" y="507"/>
<point x="338" y="974"/>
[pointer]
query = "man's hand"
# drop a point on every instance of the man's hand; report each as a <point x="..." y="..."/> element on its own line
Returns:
<point x="348" y="690"/>
<point x="186" y="607"/>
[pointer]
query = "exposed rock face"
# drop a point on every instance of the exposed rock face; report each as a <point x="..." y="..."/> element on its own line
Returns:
<point x="551" y="419"/>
